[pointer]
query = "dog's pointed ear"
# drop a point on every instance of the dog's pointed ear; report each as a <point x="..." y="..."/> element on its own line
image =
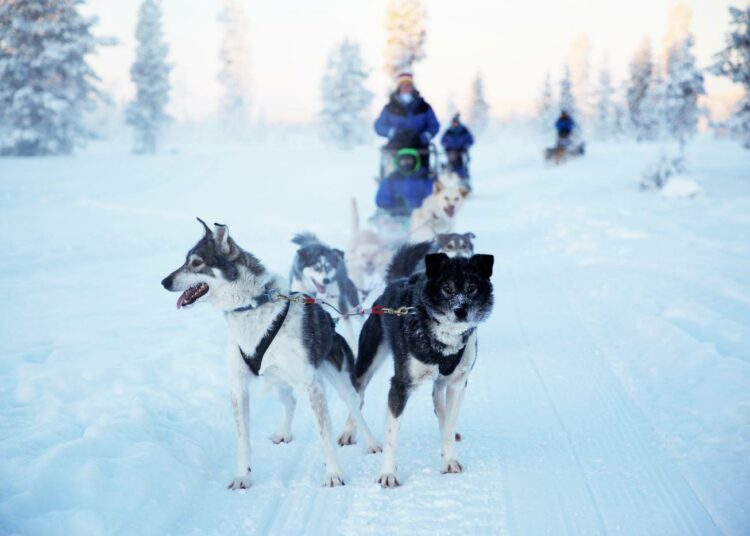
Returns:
<point x="464" y="191"/>
<point x="221" y="237"/>
<point x="434" y="264"/>
<point x="437" y="187"/>
<point x="483" y="264"/>
<point x="205" y="227"/>
<point x="469" y="236"/>
<point x="442" y="239"/>
<point x="339" y="253"/>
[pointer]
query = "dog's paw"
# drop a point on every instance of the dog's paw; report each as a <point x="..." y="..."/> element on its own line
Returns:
<point x="458" y="437"/>
<point x="347" y="437"/>
<point x="452" y="466"/>
<point x="374" y="448"/>
<point x="333" y="479"/>
<point x="240" y="482"/>
<point x="281" y="437"/>
<point x="389" y="480"/>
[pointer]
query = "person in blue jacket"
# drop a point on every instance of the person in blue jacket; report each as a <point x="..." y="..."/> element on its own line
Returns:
<point x="404" y="189"/>
<point x="409" y="124"/>
<point x="456" y="142"/>
<point x="407" y="120"/>
<point x="564" y="126"/>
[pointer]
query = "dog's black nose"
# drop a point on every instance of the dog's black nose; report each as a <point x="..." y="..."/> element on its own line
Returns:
<point x="460" y="312"/>
<point x="167" y="282"/>
<point x="326" y="281"/>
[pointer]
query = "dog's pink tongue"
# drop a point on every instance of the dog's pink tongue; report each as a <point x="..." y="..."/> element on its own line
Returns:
<point x="182" y="299"/>
<point x="450" y="211"/>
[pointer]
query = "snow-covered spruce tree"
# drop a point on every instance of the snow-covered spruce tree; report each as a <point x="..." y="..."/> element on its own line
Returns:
<point x="567" y="100"/>
<point x="345" y="97"/>
<point x="683" y="85"/>
<point x="734" y="63"/>
<point x="150" y="74"/>
<point x="641" y="74"/>
<point x="46" y="85"/>
<point x="478" y="109"/>
<point x="405" y="35"/>
<point x="580" y="69"/>
<point x="234" y="71"/>
<point x="546" y="110"/>
<point x="605" y="110"/>
<point x="652" y="116"/>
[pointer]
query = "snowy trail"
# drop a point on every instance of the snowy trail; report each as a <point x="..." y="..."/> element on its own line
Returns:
<point x="611" y="395"/>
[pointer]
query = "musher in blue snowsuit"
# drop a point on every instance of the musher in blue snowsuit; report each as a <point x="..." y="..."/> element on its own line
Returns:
<point x="409" y="124"/>
<point x="564" y="126"/>
<point x="456" y="142"/>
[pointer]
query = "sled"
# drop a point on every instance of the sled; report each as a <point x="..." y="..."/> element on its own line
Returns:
<point x="562" y="152"/>
<point x="392" y="226"/>
<point x="445" y="163"/>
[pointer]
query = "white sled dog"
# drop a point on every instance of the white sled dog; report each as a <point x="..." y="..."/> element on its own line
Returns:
<point x="438" y="210"/>
<point x="293" y="346"/>
<point x="367" y="256"/>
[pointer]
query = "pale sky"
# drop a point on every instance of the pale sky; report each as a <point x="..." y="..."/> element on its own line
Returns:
<point x="513" y="43"/>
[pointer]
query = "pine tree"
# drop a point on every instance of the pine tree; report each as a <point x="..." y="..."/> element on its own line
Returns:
<point x="546" y="112"/>
<point x="652" y="113"/>
<point x="567" y="100"/>
<point x="150" y="74"/>
<point x="478" y="109"/>
<point x="734" y="63"/>
<point x="46" y="85"/>
<point x="578" y="61"/>
<point x="234" y="75"/>
<point x="605" y="109"/>
<point x="641" y="74"/>
<point x="345" y="98"/>
<point x="683" y="85"/>
<point x="406" y="33"/>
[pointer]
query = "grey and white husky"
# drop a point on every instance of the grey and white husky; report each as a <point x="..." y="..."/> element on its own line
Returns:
<point x="319" y="270"/>
<point x="304" y="350"/>
<point x="450" y="298"/>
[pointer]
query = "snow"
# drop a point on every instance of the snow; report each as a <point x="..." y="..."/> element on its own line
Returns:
<point x="681" y="186"/>
<point x="611" y="394"/>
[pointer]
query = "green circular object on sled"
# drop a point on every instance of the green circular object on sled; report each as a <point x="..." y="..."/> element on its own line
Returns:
<point x="408" y="151"/>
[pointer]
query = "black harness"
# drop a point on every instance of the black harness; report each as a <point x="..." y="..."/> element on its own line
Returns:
<point x="255" y="360"/>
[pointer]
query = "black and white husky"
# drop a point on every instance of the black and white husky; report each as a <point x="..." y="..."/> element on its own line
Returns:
<point x="451" y="297"/>
<point x="304" y="350"/>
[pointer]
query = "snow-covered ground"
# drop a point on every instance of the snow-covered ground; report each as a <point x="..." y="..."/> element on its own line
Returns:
<point x="611" y="395"/>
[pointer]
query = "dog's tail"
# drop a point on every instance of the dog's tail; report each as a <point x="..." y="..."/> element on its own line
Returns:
<point x="305" y="239"/>
<point x="355" y="217"/>
<point x="408" y="259"/>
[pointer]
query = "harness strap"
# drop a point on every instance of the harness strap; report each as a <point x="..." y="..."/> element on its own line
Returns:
<point x="262" y="299"/>
<point x="256" y="360"/>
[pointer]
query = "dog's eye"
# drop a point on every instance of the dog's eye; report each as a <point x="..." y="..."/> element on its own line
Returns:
<point x="447" y="290"/>
<point x="195" y="263"/>
<point x="471" y="289"/>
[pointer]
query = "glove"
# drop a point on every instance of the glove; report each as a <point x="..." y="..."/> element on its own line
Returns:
<point x="426" y="138"/>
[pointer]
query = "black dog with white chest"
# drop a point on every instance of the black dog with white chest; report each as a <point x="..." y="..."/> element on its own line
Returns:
<point x="437" y="340"/>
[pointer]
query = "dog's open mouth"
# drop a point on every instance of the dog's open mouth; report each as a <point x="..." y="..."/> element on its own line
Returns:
<point x="320" y="288"/>
<point x="191" y="295"/>
<point x="450" y="210"/>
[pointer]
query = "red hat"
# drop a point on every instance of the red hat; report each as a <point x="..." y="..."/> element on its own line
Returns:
<point x="404" y="78"/>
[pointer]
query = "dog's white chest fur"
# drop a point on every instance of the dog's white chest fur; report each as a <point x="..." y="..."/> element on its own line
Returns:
<point x="451" y="334"/>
